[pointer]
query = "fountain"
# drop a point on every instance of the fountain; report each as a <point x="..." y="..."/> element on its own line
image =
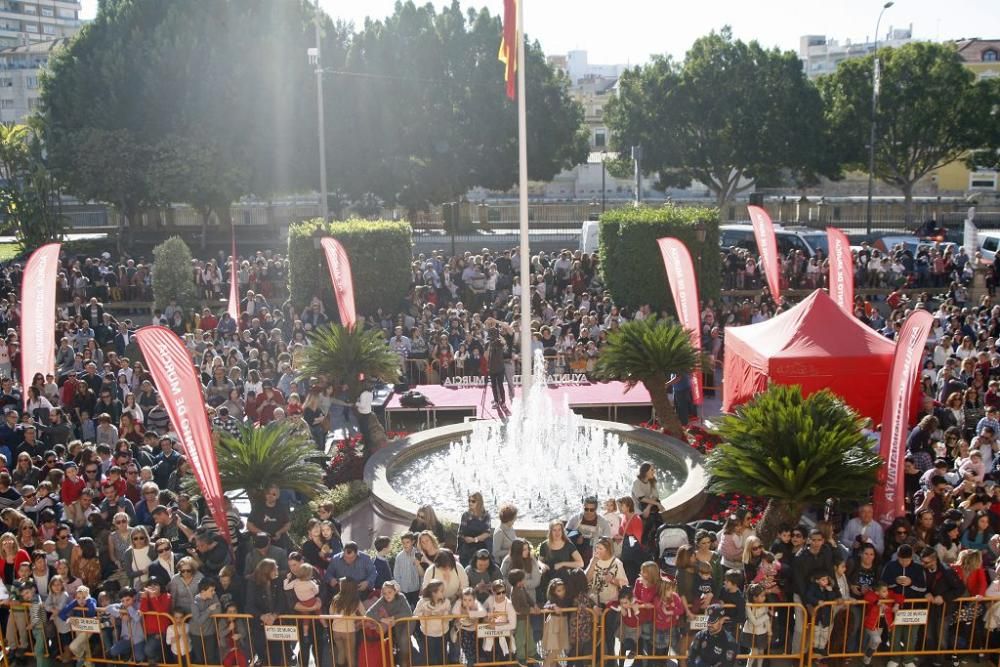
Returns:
<point x="544" y="459"/>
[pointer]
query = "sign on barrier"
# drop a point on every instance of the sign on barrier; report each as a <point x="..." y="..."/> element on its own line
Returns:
<point x="699" y="622"/>
<point x="484" y="631"/>
<point x="281" y="633"/>
<point x="911" y="617"/>
<point x="82" y="624"/>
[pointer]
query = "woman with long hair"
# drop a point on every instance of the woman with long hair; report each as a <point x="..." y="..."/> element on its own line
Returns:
<point x="343" y="631"/>
<point x="606" y="577"/>
<point x="968" y="617"/>
<point x="264" y="602"/>
<point x="735" y="531"/>
<point x="629" y="537"/>
<point x="520" y="557"/>
<point x="474" y="531"/>
<point x="647" y="500"/>
<point x="426" y="519"/>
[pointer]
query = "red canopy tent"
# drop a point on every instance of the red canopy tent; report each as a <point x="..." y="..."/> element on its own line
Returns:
<point x="816" y="345"/>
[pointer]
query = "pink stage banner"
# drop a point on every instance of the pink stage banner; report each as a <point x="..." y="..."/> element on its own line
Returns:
<point x="174" y="375"/>
<point x="340" y="276"/>
<point x="906" y="365"/>
<point x="841" y="269"/>
<point x="767" y="245"/>
<point x="234" y="283"/>
<point x="38" y="314"/>
<point x="684" y="286"/>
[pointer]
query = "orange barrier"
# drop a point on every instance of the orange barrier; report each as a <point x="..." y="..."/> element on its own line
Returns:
<point x="643" y="641"/>
<point x="919" y="628"/>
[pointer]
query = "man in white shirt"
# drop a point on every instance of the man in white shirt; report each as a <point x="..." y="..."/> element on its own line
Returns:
<point x="863" y="529"/>
<point x="363" y="409"/>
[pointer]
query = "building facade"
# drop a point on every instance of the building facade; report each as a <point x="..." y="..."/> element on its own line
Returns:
<point x="26" y="21"/>
<point x="821" y="54"/>
<point x="20" y="70"/>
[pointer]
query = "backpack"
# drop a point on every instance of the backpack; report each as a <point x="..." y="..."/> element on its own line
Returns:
<point x="413" y="399"/>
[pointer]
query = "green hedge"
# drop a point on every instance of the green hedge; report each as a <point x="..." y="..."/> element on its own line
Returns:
<point x="173" y="276"/>
<point x="380" y="254"/>
<point x="343" y="496"/>
<point x="631" y="264"/>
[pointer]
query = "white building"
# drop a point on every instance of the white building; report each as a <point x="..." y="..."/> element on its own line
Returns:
<point x="20" y="69"/>
<point x="25" y="21"/>
<point x="821" y="54"/>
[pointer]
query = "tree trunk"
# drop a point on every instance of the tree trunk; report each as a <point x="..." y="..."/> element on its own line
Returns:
<point x="776" y="514"/>
<point x="908" y="204"/>
<point x="665" y="412"/>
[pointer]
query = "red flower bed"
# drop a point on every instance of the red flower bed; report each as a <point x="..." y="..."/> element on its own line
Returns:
<point x="348" y="461"/>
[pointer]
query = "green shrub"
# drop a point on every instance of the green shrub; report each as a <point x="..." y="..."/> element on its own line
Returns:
<point x="380" y="254"/>
<point x="631" y="264"/>
<point x="173" y="276"/>
<point x="343" y="496"/>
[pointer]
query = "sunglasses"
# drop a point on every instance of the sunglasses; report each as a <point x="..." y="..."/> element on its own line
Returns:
<point x="186" y="571"/>
<point x="91" y="471"/>
<point x="163" y="551"/>
<point x="123" y="522"/>
<point x="138" y="539"/>
<point x="589" y="509"/>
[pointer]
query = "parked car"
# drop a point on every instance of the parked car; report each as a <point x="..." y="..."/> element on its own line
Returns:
<point x="807" y="240"/>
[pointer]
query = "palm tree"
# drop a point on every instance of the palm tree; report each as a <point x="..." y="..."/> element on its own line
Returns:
<point x="274" y="455"/>
<point x="650" y="351"/>
<point x="794" y="451"/>
<point x="351" y="356"/>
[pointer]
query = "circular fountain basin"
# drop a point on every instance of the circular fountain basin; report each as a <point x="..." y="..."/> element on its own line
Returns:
<point x="409" y="473"/>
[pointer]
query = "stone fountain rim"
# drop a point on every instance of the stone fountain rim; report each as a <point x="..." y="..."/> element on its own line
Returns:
<point x="689" y="495"/>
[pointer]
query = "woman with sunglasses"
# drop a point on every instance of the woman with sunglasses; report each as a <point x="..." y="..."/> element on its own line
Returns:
<point x="119" y="542"/>
<point x="139" y="556"/>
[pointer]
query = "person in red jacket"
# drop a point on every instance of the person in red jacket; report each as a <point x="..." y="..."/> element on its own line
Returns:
<point x="72" y="484"/>
<point x="882" y="605"/>
<point x="156" y="607"/>
<point x="668" y="614"/>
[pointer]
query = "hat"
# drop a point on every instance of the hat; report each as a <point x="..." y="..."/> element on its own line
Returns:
<point x="714" y="613"/>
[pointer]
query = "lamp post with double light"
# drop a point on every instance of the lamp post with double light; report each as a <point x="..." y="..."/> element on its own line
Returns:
<point x="876" y="80"/>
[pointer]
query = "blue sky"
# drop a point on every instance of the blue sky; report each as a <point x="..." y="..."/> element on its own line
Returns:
<point x="629" y="31"/>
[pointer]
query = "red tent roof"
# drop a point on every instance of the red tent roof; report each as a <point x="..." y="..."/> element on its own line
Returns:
<point x="814" y="336"/>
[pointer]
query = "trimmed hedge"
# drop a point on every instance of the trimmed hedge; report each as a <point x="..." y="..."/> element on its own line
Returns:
<point x="631" y="264"/>
<point x="173" y="275"/>
<point x="380" y="254"/>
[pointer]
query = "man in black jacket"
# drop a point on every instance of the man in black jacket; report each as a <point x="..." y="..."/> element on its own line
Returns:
<point x="943" y="586"/>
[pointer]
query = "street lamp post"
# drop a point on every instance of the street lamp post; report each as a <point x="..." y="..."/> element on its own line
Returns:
<point x="315" y="57"/>
<point x="604" y="176"/>
<point x="876" y="76"/>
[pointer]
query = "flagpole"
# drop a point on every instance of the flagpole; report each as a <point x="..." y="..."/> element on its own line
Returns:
<point x="522" y="192"/>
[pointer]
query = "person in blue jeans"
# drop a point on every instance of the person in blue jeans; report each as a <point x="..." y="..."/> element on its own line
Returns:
<point x="131" y="644"/>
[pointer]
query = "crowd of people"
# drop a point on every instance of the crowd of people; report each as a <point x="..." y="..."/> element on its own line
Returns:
<point x="101" y="520"/>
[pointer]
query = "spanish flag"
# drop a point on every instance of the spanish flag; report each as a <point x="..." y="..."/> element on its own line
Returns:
<point x="508" y="46"/>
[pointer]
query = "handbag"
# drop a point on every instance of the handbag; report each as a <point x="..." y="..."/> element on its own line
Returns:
<point x="633" y="551"/>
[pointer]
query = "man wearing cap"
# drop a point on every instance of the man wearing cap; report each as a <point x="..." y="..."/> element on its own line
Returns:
<point x="713" y="646"/>
<point x="263" y="548"/>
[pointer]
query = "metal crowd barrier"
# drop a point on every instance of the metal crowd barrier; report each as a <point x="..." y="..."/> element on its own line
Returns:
<point x="919" y="629"/>
<point x="644" y="642"/>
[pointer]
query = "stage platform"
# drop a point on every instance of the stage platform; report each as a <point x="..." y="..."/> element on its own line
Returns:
<point x="469" y="401"/>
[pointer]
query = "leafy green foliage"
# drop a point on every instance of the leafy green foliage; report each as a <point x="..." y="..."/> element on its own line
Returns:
<point x="343" y="496"/>
<point x="173" y="274"/>
<point x="644" y="348"/>
<point x="931" y="111"/>
<point x="418" y="111"/>
<point x="631" y="264"/>
<point x="737" y="114"/>
<point x="344" y="355"/>
<point x="380" y="263"/>
<point x="276" y="454"/>
<point x="794" y="449"/>
<point x="29" y="198"/>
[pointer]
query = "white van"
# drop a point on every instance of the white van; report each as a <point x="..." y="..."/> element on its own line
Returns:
<point x="988" y="244"/>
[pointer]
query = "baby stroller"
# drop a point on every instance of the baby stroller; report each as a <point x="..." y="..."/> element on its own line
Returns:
<point x="670" y="538"/>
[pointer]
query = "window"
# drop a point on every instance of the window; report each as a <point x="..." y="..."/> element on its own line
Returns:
<point x="31" y="82"/>
<point x="600" y="139"/>
<point x="29" y="9"/>
<point x="6" y="103"/>
<point x="32" y="103"/>
<point x="67" y="13"/>
<point x="49" y="29"/>
<point x="47" y="11"/>
<point x="6" y="82"/>
<point x="983" y="180"/>
<point x="30" y="27"/>
<point x="989" y="56"/>
<point x="991" y="243"/>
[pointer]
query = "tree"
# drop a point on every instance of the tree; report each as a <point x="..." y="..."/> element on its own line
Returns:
<point x="173" y="274"/>
<point x="29" y="197"/>
<point x="277" y="454"/>
<point x="732" y="115"/>
<point x="931" y="112"/>
<point x="794" y="451"/>
<point x="649" y="352"/>
<point x="418" y="114"/>
<point x="351" y="357"/>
